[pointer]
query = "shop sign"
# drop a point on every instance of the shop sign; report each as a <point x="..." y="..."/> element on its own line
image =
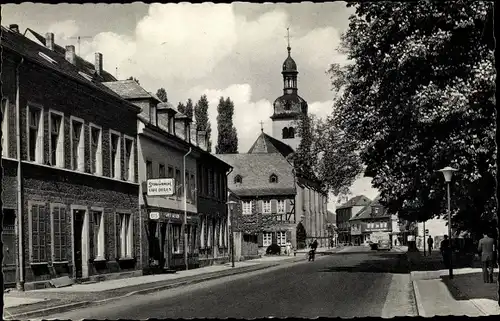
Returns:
<point x="154" y="215"/>
<point x="160" y="187"/>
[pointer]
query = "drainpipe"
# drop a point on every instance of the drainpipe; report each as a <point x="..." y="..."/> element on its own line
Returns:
<point x="229" y="225"/>
<point x="19" y="216"/>
<point x="184" y="223"/>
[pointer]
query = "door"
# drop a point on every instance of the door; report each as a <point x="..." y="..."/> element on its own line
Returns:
<point x="9" y="247"/>
<point x="78" y="217"/>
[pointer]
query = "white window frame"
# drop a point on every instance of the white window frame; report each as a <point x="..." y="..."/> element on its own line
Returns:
<point x="60" y="140"/>
<point x="101" y="247"/>
<point x="177" y="228"/>
<point x="115" y="163"/>
<point x="246" y="207"/>
<point x="5" y="127"/>
<point x="126" y="236"/>
<point x="131" y="162"/>
<point x="281" y="209"/>
<point x="281" y="238"/>
<point x="80" y="166"/>
<point x="266" y="207"/>
<point x="39" y="138"/>
<point x="98" y="154"/>
<point x="267" y="238"/>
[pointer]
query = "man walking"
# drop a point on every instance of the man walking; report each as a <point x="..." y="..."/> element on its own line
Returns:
<point x="446" y="251"/>
<point x="430" y="242"/>
<point x="486" y="248"/>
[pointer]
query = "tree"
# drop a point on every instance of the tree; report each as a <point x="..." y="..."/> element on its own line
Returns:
<point x="419" y="96"/>
<point x="227" y="140"/>
<point x="189" y="108"/>
<point x="181" y="108"/>
<point x="162" y="94"/>
<point x="201" y="119"/>
<point x="135" y="79"/>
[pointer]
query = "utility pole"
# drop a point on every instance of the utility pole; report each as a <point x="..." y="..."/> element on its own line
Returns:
<point x="78" y="38"/>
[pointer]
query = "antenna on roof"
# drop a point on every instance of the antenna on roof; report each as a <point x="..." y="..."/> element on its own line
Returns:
<point x="78" y="38"/>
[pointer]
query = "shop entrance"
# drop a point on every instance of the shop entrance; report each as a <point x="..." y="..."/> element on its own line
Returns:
<point x="159" y="241"/>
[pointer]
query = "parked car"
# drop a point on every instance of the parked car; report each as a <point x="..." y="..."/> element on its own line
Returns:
<point x="373" y="246"/>
<point x="384" y="245"/>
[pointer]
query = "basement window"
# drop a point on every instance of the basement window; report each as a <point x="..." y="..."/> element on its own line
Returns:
<point x="44" y="56"/>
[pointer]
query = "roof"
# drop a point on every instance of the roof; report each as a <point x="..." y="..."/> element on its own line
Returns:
<point x="81" y="63"/>
<point x="265" y="144"/>
<point x="360" y="200"/>
<point x="34" y="52"/>
<point x="366" y="212"/>
<point x="129" y="89"/>
<point x="289" y="105"/>
<point x="255" y="171"/>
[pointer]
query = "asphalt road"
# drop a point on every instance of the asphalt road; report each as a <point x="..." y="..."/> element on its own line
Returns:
<point x="358" y="283"/>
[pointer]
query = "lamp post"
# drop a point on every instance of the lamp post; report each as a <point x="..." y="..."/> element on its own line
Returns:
<point x="448" y="174"/>
<point x="230" y="206"/>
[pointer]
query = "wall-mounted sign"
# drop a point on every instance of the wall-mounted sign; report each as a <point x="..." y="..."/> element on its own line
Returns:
<point x="154" y="215"/>
<point x="160" y="187"/>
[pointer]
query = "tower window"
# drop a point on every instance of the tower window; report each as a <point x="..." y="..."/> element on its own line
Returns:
<point x="273" y="178"/>
<point x="291" y="132"/>
<point x="238" y="179"/>
<point x="285" y="133"/>
<point x="288" y="105"/>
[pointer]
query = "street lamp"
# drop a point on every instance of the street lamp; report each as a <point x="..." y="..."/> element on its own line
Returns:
<point x="230" y="206"/>
<point x="448" y="174"/>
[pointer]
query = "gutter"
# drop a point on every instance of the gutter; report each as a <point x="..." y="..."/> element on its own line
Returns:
<point x="19" y="216"/>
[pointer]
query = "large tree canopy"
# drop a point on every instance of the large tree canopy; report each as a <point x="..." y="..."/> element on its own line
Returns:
<point x="201" y="118"/>
<point x="227" y="140"/>
<point x="162" y="94"/>
<point x="419" y="96"/>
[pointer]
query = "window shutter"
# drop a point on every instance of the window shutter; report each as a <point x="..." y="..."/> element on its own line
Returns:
<point x="35" y="252"/>
<point x="63" y="236"/>
<point x="274" y="206"/>
<point x="68" y="234"/>
<point x="259" y="206"/>
<point x="56" y="219"/>
<point x="45" y="215"/>
<point x="260" y="239"/>
<point x="117" y="235"/>
<point x="92" y="235"/>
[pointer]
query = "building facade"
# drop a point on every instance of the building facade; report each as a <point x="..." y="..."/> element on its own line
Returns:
<point x="347" y="211"/>
<point x="70" y="185"/>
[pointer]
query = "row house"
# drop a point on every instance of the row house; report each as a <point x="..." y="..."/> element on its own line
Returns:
<point x="372" y="218"/>
<point x="70" y="181"/>
<point x="166" y="139"/>
<point x="347" y="211"/>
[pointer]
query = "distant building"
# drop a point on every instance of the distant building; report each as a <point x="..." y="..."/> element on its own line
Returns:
<point x="71" y="182"/>
<point x="347" y="211"/>
<point x="436" y="228"/>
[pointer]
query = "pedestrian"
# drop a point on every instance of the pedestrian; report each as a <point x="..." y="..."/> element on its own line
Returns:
<point x="288" y="248"/>
<point x="395" y="242"/>
<point x="446" y="251"/>
<point x="430" y="242"/>
<point x="486" y="248"/>
<point x="312" y="252"/>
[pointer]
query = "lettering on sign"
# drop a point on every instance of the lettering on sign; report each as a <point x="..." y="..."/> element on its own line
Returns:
<point x="172" y="215"/>
<point x="154" y="215"/>
<point x="160" y="187"/>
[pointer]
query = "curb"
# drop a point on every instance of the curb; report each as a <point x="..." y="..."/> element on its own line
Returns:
<point x="71" y="306"/>
<point x="418" y="300"/>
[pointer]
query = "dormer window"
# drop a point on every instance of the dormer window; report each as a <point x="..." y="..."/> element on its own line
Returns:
<point x="375" y="210"/>
<point x="44" y="56"/>
<point x="273" y="178"/>
<point x="238" y="179"/>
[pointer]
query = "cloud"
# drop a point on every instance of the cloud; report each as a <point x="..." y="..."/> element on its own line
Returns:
<point x="63" y="30"/>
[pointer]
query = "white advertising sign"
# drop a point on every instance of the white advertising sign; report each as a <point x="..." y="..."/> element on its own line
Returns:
<point x="154" y="215"/>
<point x="160" y="187"/>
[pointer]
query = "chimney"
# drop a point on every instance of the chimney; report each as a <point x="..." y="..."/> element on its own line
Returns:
<point x="70" y="54"/>
<point x="14" y="28"/>
<point x="49" y="40"/>
<point x="201" y="137"/>
<point x="98" y="63"/>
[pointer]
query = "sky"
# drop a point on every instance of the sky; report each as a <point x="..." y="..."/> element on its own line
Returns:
<point x="232" y="50"/>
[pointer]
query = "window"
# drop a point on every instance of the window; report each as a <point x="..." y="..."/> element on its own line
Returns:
<point x="238" y="179"/>
<point x="291" y="132"/>
<point x="170" y="173"/>
<point x="129" y="159"/>
<point x="149" y="169"/>
<point x="5" y="128"/>
<point x="161" y="170"/>
<point x="267" y="239"/>
<point x="56" y="146"/>
<point x="44" y="56"/>
<point x="126" y="236"/>
<point x="266" y="207"/>
<point x="115" y="154"/>
<point x="98" y="229"/>
<point x="95" y="150"/>
<point x="35" y="134"/>
<point x="281" y="206"/>
<point x="273" y="178"/>
<point x="60" y="235"/>
<point x="189" y="235"/>
<point x="203" y="231"/>
<point x="40" y="234"/>
<point x="247" y="207"/>
<point x="176" y="238"/>
<point x="193" y="237"/>
<point x="178" y="183"/>
<point x="152" y="114"/>
<point x="285" y="133"/>
<point x="377" y="225"/>
<point x="193" y="188"/>
<point x="281" y="238"/>
<point x="77" y="145"/>
<point x="210" y="183"/>
<point x="186" y="184"/>
<point x="216" y="184"/>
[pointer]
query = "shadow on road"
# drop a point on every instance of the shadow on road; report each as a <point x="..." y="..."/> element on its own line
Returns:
<point x="471" y="286"/>
<point x="380" y="263"/>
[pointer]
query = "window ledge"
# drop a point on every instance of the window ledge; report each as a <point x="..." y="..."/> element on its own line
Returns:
<point x="99" y="259"/>
<point x="127" y="258"/>
<point x="39" y="263"/>
<point x="60" y="262"/>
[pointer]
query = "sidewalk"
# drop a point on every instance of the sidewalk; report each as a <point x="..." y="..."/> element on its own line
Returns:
<point x="21" y="305"/>
<point x="465" y="294"/>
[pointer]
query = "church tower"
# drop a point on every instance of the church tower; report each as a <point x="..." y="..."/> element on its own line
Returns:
<point x="288" y="107"/>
